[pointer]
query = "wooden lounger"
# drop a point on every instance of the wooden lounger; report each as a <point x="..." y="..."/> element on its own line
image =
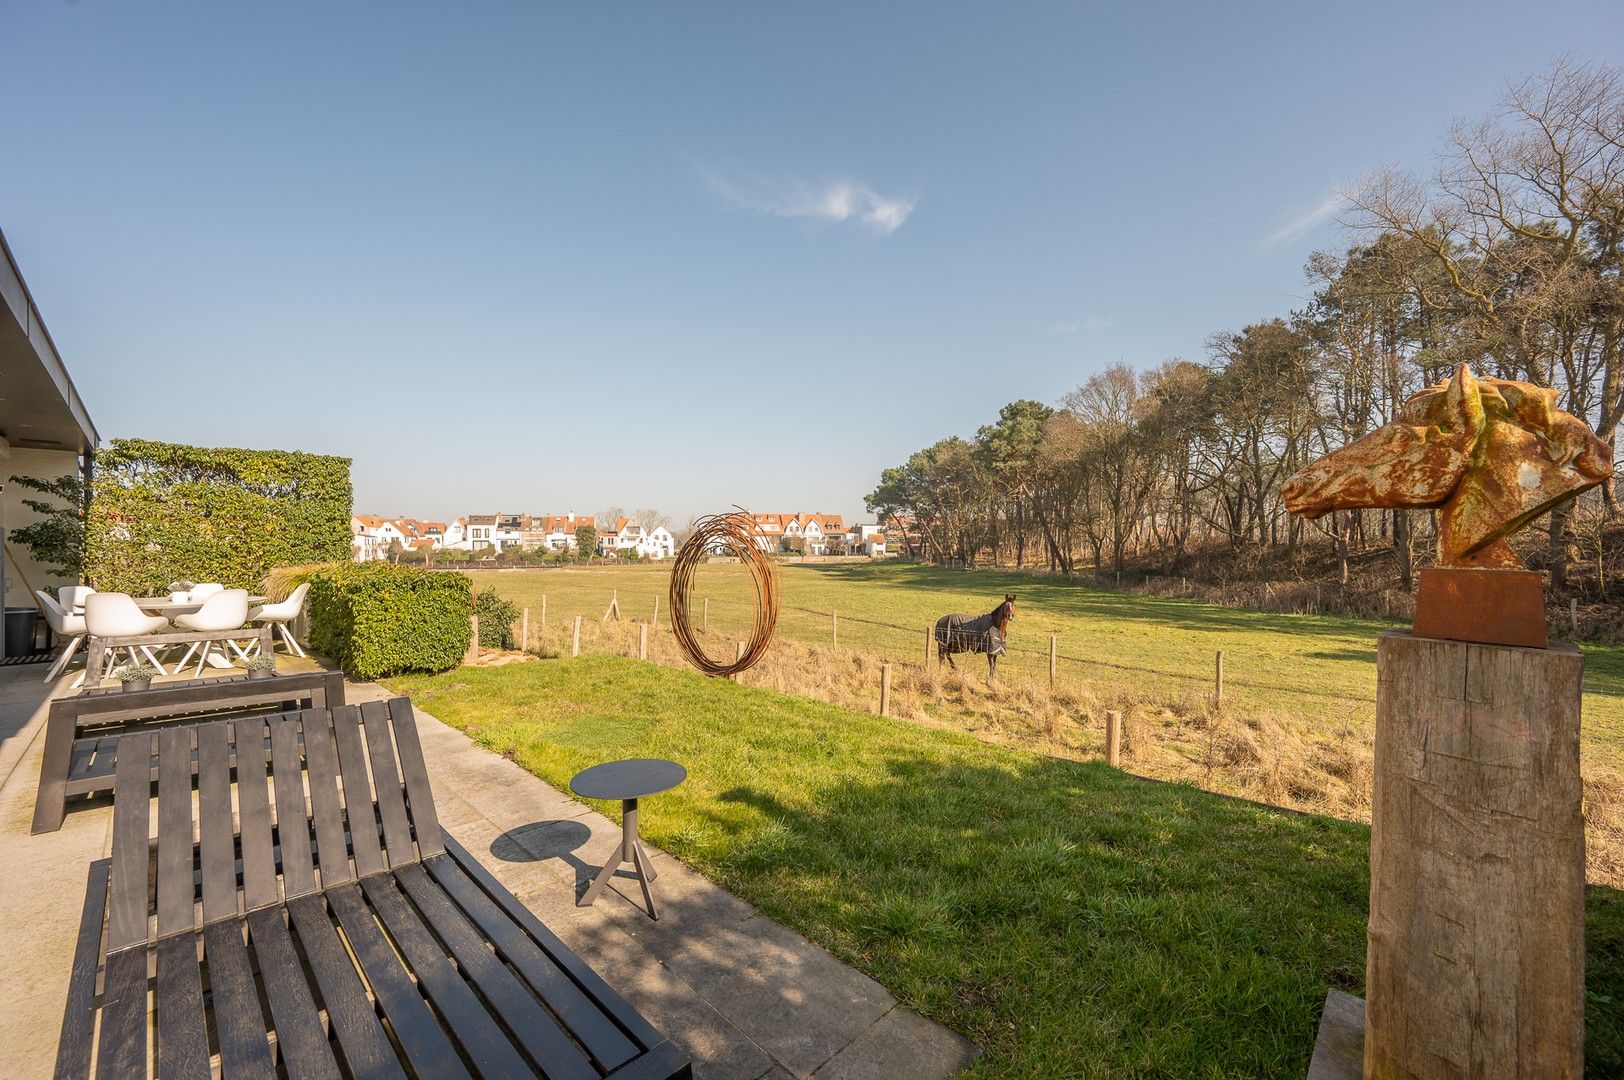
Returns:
<point x="332" y="929"/>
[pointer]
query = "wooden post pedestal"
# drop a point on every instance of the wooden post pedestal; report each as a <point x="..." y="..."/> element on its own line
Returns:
<point x="1476" y="948"/>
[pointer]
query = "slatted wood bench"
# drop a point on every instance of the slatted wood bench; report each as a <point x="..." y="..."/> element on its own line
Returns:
<point x="332" y="928"/>
<point x="83" y="729"/>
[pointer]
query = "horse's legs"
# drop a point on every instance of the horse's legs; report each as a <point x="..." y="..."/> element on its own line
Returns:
<point x="950" y="662"/>
<point x="992" y="667"/>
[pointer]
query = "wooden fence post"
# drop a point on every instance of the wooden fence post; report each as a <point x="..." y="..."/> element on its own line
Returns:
<point x="738" y="654"/>
<point x="834" y="629"/>
<point x="642" y="641"/>
<point x="885" y="689"/>
<point x="655" y="622"/>
<point x="1218" y="684"/>
<point x="524" y="631"/>
<point x="473" y="640"/>
<point x="1113" y="737"/>
<point x="1051" y="663"/>
<point x="575" y="649"/>
<point x="541" y="627"/>
<point x="613" y="608"/>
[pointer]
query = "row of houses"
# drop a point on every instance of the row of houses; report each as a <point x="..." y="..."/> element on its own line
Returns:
<point x="376" y="537"/>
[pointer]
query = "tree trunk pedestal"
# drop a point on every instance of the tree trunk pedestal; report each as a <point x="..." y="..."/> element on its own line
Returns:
<point x="1475" y="965"/>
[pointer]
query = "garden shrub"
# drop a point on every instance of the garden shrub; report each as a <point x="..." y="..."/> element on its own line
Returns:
<point x="377" y="618"/>
<point x="496" y="617"/>
<point x="161" y="512"/>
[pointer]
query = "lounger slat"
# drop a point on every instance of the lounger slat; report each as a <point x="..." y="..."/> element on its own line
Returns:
<point x="216" y="848"/>
<point x="360" y="1037"/>
<point x="427" y="1047"/>
<point x="254" y="813"/>
<point x="482" y="1039"/>
<point x="321" y="759"/>
<point x="79" y="1017"/>
<point x="183" y="1040"/>
<point x="176" y="879"/>
<point x="292" y="814"/>
<point x="127" y="898"/>
<point x="629" y="1019"/>
<point x="238" y="1021"/>
<point x="122" y="1046"/>
<point x="299" y="1035"/>
<point x="425" y="823"/>
<point x="397" y="830"/>
<point x="543" y="1038"/>
<point x="352" y="765"/>
<point x="584" y="1017"/>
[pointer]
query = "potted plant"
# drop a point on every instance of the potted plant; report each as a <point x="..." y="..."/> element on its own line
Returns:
<point x="135" y="676"/>
<point x="262" y="666"/>
<point x="181" y="591"/>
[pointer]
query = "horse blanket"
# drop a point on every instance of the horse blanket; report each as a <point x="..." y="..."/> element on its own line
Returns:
<point x="969" y="633"/>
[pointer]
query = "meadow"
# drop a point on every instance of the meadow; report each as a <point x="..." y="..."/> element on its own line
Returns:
<point x="1294" y="729"/>
<point x="1072" y="919"/>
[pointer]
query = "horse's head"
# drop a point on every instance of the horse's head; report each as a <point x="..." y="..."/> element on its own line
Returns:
<point x="1412" y="463"/>
<point x="1004" y="612"/>
<point x="1493" y="454"/>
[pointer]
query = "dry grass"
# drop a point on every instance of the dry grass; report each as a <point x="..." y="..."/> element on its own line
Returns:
<point x="1264" y="755"/>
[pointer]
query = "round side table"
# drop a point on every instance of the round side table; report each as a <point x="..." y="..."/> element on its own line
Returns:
<point x="628" y="781"/>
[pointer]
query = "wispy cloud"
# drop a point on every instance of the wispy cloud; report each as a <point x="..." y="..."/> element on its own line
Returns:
<point x="836" y="201"/>
<point x="1307" y="222"/>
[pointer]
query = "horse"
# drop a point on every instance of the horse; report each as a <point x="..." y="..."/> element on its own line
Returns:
<point x="971" y="633"/>
<point x="1489" y="455"/>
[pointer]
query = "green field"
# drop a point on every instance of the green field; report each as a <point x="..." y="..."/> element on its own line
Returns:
<point x="1071" y="919"/>
<point x="1317" y="669"/>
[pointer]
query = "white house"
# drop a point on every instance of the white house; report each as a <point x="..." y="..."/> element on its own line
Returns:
<point x="628" y="536"/>
<point x="370" y="536"/>
<point x="775" y="531"/>
<point x="558" y="530"/>
<point x="866" y="540"/>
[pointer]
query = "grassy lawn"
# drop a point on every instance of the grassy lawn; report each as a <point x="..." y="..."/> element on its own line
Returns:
<point x="1069" y="918"/>
<point x="1317" y="669"/>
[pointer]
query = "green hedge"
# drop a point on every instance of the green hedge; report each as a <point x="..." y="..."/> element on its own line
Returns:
<point x="161" y="512"/>
<point x="378" y="618"/>
<point x="496" y="619"/>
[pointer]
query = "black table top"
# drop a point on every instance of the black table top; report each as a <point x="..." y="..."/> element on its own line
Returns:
<point x="630" y="779"/>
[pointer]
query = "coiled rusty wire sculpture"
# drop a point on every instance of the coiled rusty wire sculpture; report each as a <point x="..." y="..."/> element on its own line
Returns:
<point x="735" y="532"/>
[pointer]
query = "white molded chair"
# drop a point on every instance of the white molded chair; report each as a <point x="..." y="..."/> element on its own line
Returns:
<point x="115" y="614"/>
<point x="224" y="610"/>
<point x="205" y="590"/>
<point x="64" y="624"/>
<point x="281" y="614"/>
<point x="73" y="597"/>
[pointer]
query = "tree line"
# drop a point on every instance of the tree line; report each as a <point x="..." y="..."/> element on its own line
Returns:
<point x="1506" y="256"/>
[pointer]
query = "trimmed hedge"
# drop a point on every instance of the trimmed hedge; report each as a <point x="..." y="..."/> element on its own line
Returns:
<point x="496" y="619"/>
<point x="377" y="618"/>
<point x="160" y="512"/>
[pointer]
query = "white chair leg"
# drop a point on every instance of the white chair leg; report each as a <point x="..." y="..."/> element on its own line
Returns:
<point x="293" y="642"/>
<point x="204" y="655"/>
<point x="184" y="660"/>
<point x="242" y="654"/>
<point x="146" y="650"/>
<point x="67" y="654"/>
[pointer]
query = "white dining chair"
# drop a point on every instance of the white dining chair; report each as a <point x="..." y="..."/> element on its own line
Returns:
<point x="282" y="614"/>
<point x="72" y="597"/>
<point x="65" y="625"/>
<point x="115" y="614"/>
<point x="224" y="610"/>
<point x="205" y="590"/>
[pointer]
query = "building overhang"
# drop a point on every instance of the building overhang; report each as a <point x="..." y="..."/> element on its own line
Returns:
<point x="39" y="406"/>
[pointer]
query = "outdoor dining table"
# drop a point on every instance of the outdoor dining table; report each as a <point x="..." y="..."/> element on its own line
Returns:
<point x="163" y="605"/>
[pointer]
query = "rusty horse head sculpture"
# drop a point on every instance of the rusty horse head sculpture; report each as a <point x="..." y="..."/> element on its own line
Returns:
<point x="1489" y="454"/>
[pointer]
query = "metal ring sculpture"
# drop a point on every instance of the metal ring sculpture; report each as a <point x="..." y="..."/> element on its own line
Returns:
<point x="736" y="532"/>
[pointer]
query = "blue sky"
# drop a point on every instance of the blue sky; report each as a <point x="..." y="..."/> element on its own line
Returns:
<point x="558" y="257"/>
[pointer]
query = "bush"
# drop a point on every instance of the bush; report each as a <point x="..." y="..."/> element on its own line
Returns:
<point x="496" y="617"/>
<point x="377" y="618"/>
<point x="160" y="512"/>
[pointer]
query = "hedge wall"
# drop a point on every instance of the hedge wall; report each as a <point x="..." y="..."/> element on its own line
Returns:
<point x="160" y="512"/>
<point x="377" y="618"/>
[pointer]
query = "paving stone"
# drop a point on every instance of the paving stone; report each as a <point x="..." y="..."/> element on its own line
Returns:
<point x="901" y="1045"/>
<point x="720" y="1050"/>
<point x="1339" y="1049"/>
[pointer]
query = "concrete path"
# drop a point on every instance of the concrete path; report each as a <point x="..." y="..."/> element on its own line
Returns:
<point x="749" y="998"/>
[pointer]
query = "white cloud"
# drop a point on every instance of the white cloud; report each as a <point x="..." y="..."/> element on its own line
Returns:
<point x="1306" y="223"/>
<point x="836" y="201"/>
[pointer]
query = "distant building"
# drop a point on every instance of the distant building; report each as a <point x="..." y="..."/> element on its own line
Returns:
<point x="630" y="537"/>
<point x="807" y="532"/>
